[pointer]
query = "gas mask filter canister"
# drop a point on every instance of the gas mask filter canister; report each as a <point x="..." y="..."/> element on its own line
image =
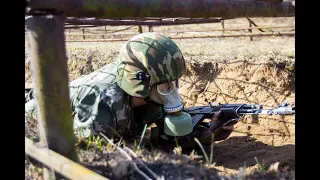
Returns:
<point x="176" y="122"/>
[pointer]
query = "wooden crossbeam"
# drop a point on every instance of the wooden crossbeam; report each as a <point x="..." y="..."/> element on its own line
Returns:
<point x="59" y="163"/>
<point x="196" y="36"/>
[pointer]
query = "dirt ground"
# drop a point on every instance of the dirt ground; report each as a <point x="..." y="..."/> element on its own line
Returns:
<point x="229" y="70"/>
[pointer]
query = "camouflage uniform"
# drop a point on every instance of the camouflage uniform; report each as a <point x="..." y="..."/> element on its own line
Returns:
<point x="101" y="100"/>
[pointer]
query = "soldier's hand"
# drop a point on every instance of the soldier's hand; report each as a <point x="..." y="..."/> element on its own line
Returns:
<point x="216" y="122"/>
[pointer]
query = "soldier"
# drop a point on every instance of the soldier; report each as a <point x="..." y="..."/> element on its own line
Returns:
<point x="139" y="88"/>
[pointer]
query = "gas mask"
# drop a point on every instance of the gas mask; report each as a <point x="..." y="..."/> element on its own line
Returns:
<point x="176" y="122"/>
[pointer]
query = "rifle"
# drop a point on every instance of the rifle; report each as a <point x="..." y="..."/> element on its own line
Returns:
<point x="231" y="113"/>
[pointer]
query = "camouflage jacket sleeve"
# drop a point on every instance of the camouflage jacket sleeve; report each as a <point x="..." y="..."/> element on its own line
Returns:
<point x="100" y="108"/>
<point x="103" y="107"/>
<point x="100" y="105"/>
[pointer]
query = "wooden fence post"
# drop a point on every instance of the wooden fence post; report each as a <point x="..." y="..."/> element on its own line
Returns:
<point x="150" y="28"/>
<point x="84" y="37"/>
<point x="47" y="40"/>
<point x="222" y="23"/>
<point x="250" y="30"/>
<point x="59" y="163"/>
<point x="140" y="29"/>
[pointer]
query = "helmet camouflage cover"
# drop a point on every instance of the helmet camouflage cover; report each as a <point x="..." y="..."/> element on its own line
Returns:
<point x="151" y="54"/>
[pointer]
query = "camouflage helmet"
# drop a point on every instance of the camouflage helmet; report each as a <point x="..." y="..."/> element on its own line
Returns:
<point x="146" y="60"/>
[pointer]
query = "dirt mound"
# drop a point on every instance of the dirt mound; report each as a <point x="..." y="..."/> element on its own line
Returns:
<point x="259" y="72"/>
<point x="113" y="165"/>
<point x="80" y="62"/>
<point x="107" y="161"/>
<point x="268" y="138"/>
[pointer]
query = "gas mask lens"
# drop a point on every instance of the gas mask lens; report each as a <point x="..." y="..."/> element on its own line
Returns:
<point x="167" y="94"/>
<point x="165" y="88"/>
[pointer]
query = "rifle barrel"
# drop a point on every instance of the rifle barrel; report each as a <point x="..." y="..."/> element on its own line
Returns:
<point x="279" y="111"/>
